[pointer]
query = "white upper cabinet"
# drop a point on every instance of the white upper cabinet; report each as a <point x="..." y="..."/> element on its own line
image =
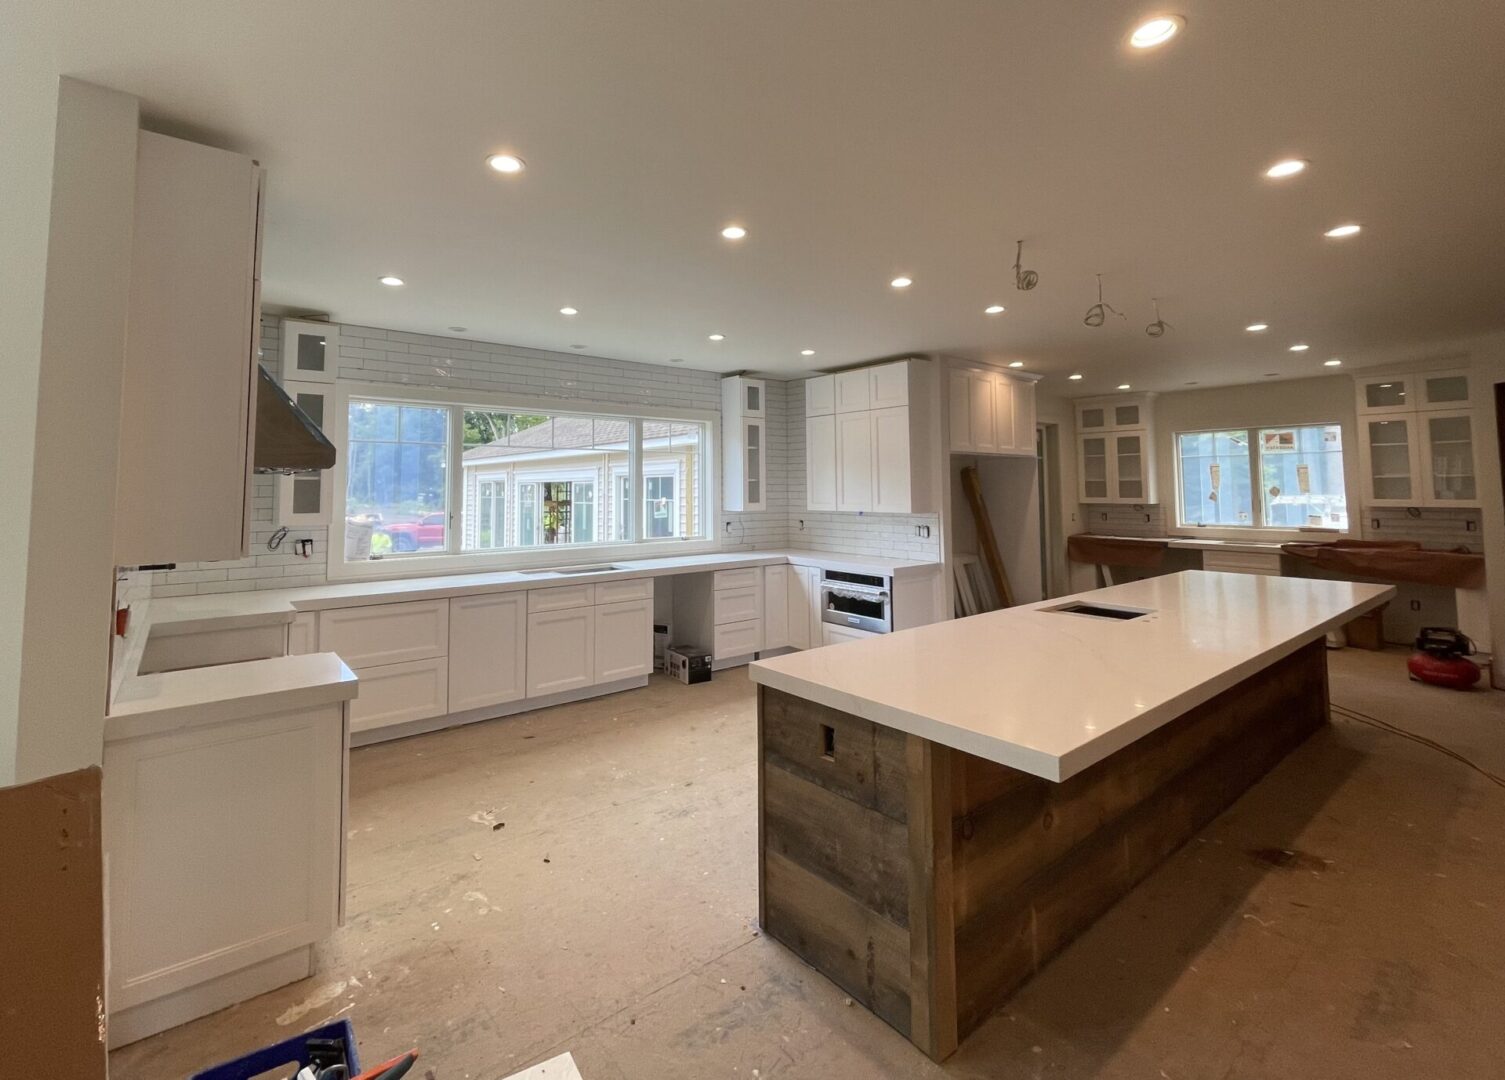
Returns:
<point x="854" y="391"/>
<point x="1116" y="450"/>
<point x="820" y="462"/>
<point x="990" y="412"/>
<point x="854" y="461"/>
<point x="1416" y="438"/>
<point x="304" y="499"/>
<point x="188" y="395"/>
<point x="889" y="385"/>
<point x="744" y="444"/>
<point x="310" y="351"/>
<point x="820" y="395"/>
<point x="890" y="449"/>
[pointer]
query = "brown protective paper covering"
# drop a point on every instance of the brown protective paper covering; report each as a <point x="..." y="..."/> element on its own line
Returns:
<point x="1111" y="551"/>
<point x="1396" y="561"/>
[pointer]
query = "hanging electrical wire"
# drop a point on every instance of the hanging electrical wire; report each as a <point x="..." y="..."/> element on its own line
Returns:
<point x="1159" y="326"/>
<point x="1098" y="313"/>
<point x="1024" y="280"/>
<point x="1343" y="712"/>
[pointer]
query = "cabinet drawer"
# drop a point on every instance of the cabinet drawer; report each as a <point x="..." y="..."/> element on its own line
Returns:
<point x="567" y="596"/>
<point x="738" y="639"/>
<point x="738" y="579"/>
<point x="396" y="693"/>
<point x="386" y="633"/>
<point x="612" y="592"/>
<point x="837" y="635"/>
<point x="737" y="605"/>
<point x="1242" y="562"/>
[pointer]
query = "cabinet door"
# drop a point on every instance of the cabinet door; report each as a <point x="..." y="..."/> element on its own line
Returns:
<point x="386" y="633"/>
<point x="310" y="351"/>
<point x="1129" y="472"/>
<point x="890" y="385"/>
<point x="1390" y="461"/>
<point x="754" y="453"/>
<point x="561" y="650"/>
<point x="752" y="391"/>
<point x="488" y="649"/>
<point x="624" y="640"/>
<point x="1091" y="418"/>
<point x="737" y="639"/>
<point x="820" y="395"/>
<point x="959" y="400"/>
<point x="1024" y="417"/>
<point x="799" y="606"/>
<point x="981" y="408"/>
<point x="399" y="693"/>
<point x="1129" y="414"/>
<point x="1386" y="394"/>
<point x="1004" y="440"/>
<point x="1447" y="453"/>
<point x="820" y="463"/>
<point x="854" y="391"/>
<point x="1092" y="468"/>
<point x="832" y="634"/>
<point x="303" y="634"/>
<point x="854" y="461"/>
<point x="775" y="607"/>
<point x="304" y="499"/>
<point x="891" y="474"/>
<point x="1446" y="390"/>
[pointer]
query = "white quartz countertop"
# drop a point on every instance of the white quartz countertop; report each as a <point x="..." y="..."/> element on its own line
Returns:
<point x="190" y="614"/>
<point x="1051" y="693"/>
<point x="167" y="700"/>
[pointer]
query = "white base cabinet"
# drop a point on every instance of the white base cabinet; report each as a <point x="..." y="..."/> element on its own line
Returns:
<point x="488" y="649"/>
<point x="561" y="650"/>
<point x="400" y="654"/>
<point x="624" y="640"/>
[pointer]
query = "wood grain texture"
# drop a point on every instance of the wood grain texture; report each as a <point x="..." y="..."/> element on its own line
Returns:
<point x="867" y="761"/>
<point x="932" y="927"/>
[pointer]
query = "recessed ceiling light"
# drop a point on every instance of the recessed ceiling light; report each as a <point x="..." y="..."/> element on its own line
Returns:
<point x="1334" y="362"/>
<point x="1300" y="347"/>
<point x="568" y="311"/>
<point x="993" y="309"/>
<point x="807" y="352"/>
<point x="1281" y="169"/>
<point x="734" y="232"/>
<point x="718" y="337"/>
<point x="1123" y="386"/>
<point x="1337" y="232"/>
<point x="1257" y="327"/>
<point x="1156" y="31"/>
<point x="1016" y="363"/>
<point x="390" y="281"/>
<point x="901" y="283"/>
<point x="506" y="163"/>
<point x="1074" y="378"/>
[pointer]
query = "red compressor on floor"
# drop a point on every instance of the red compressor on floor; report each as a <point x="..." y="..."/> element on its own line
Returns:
<point x="1441" y="658"/>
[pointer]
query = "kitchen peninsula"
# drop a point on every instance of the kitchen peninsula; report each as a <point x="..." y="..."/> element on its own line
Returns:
<point x="943" y="809"/>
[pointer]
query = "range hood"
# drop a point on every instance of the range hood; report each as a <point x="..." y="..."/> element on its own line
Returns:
<point x="287" y="441"/>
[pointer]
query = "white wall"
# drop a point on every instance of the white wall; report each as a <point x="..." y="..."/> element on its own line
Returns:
<point x="61" y="413"/>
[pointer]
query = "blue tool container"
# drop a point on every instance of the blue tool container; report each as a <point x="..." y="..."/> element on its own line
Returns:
<point x="287" y="1052"/>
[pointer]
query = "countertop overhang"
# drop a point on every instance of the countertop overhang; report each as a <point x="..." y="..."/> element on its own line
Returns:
<point x="1052" y="693"/>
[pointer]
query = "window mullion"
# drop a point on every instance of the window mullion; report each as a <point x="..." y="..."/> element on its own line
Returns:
<point x="1256" y="482"/>
<point x="636" y="526"/>
<point x="455" y="480"/>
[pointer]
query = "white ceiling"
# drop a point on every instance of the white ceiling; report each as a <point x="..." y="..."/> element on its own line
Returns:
<point x="855" y="142"/>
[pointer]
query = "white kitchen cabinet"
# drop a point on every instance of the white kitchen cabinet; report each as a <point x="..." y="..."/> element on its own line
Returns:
<point x="854" y="391"/>
<point x="854" y="461"/>
<point x="399" y="693"/>
<point x="386" y="633"/>
<point x="1416" y="432"/>
<point x="743" y="577"/>
<point x="310" y="352"/>
<point x="831" y="634"/>
<point x="820" y="395"/>
<point x="624" y="640"/>
<point x="891" y="462"/>
<point x="820" y="462"/>
<point x="561" y="650"/>
<point x="736" y="639"/>
<point x="304" y="499"/>
<point x="1258" y="563"/>
<point x="225" y="841"/>
<point x="721" y="611"/>
<point x="188" y="391"/>
<point x="303" y="634"/>
<point x="801" y="601"/>
<point x="1115" y="450"/>
<point x="488" y="649"/>
<point x="737" y="605"/>
<point x="564" y="596"/>
<point x="744" y="444"/>
<point x="888" y="385"/>
<point x="1447" y="458"/>
<point x="776" y="610"/>
<point x="990" y="412"/>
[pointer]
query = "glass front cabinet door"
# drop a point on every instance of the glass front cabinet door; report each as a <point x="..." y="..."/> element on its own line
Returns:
<point x="1094" y="461"/>
<point x="1392" y="461"/>
<point x="1448" y="458"/>
<point x="310" y="351"/>
<point x="1128" y="472"/>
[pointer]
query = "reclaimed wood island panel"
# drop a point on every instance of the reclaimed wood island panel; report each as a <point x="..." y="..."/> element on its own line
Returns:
<point x="929" y="882"/>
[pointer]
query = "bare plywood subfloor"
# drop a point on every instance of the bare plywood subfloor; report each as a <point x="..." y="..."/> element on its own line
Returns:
<point x="1343" y="919"/>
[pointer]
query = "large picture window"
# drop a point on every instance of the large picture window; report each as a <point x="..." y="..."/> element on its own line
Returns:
<point x="1271" y="478"/>
<point x="432" y="480"/>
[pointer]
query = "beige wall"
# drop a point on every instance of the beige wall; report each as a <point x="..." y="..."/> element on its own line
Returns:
<point x="1488" y="355"/>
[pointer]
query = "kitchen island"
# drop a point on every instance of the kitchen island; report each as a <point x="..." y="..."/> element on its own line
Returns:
<point x="943" y="809"/>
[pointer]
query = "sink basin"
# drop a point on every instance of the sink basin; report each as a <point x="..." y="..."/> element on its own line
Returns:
<point x="565" y="571"/>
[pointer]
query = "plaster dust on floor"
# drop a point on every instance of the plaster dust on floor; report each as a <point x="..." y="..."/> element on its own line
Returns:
<point x="1342" y="919"/>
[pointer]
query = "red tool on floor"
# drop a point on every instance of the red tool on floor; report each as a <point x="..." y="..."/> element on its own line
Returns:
<point x="391" y="1070"/>
<point x="1441" y="659"/>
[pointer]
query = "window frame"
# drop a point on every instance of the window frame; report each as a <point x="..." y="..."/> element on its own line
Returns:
<point x="1257" y="528"/>
<point x="457" y="560"/>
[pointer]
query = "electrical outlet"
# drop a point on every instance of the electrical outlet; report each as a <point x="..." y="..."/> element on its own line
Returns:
<point x="922" y="531"/>
<point x="1374" y="523"/>
<point x="1415" y="605"/>
<point x="1470" y="525"/>
<point x="802" y="524"/>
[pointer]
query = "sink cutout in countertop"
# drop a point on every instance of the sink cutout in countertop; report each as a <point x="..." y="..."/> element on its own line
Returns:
<point x="1101" y="611"/>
